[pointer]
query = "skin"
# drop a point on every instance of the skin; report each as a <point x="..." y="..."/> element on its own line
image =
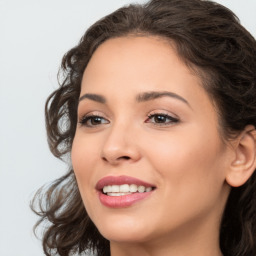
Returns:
<point x="186" y="160"/>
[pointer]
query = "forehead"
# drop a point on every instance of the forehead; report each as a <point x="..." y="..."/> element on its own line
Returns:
<point x="134" y="64"/>
<point x="143" y="60"/>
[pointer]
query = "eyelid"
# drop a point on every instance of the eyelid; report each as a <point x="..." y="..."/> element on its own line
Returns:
<point x="91" y="114"/>
<point x="173" y="119"/>
<point x="162" y="112"/>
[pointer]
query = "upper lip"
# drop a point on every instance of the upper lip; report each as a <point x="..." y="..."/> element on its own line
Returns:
<point x="119" y="180"/>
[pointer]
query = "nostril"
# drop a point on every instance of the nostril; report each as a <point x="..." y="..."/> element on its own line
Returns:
<point x="124" y="157"/>
<point x="119" y="158"/>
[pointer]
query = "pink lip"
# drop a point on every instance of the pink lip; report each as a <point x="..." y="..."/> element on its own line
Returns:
<point x="119" y="180"/>
<point x="121" y="201"/>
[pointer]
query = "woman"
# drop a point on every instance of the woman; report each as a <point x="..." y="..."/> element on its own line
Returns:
<point x="157" y="109"/>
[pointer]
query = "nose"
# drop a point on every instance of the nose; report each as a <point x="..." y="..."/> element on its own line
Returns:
<point x="120" y="145"/>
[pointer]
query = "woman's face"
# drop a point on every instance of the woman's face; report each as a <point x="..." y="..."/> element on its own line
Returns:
<point x="145" y="120"/>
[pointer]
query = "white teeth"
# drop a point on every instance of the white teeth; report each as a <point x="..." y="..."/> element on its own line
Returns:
<point x="148" y="189"/>
<point x="124" y="188"/>
<point x="116" y="190"/>
<point x="133" y="188"/>
<point x="105" y="189"/>
<point x="117" y="194"/>
<point x="141" y="189"/>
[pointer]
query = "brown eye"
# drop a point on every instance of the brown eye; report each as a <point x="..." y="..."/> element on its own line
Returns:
<point x="90" y="121"/>
<point x="161" y="119"/>
<point x="95" y="120"/>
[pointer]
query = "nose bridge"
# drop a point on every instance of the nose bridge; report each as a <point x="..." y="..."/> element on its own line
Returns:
<point x="120" y="142"/>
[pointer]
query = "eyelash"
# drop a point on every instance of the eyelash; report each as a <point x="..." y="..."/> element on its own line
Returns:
<point x="172" y="119"/>
<point x="85" y="119"/>
<point x="162" y="117"/>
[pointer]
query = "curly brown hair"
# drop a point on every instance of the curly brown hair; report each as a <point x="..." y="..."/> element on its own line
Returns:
<point x="210" y="40"/>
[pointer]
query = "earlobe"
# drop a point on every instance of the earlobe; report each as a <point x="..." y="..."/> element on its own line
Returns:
<point x="244" y="163"/>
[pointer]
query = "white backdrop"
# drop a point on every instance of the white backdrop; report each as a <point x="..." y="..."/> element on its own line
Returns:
<point x="34" y="35"/>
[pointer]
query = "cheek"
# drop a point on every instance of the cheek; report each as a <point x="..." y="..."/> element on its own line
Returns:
<point x="191" y="173"/>
<point x="189" y="159"/>
<point x="83" y="154"/>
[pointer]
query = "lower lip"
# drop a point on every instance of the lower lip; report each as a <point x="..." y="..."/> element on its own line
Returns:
<point x="122" y="201"/>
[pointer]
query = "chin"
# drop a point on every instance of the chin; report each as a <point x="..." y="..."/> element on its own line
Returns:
<point x="123" y="229"/>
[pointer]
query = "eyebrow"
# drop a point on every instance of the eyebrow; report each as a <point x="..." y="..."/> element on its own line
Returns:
<point x="146" y="96"/>
<point x="142" y="97"/>
<point x="94" y="97"/>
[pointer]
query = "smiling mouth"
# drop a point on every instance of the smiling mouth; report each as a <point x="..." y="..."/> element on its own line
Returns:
<point x="125" y="189"/>
<point x="122" y="191"/>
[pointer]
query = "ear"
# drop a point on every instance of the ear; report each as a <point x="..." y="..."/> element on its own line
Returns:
<point x="243" y="164"/>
